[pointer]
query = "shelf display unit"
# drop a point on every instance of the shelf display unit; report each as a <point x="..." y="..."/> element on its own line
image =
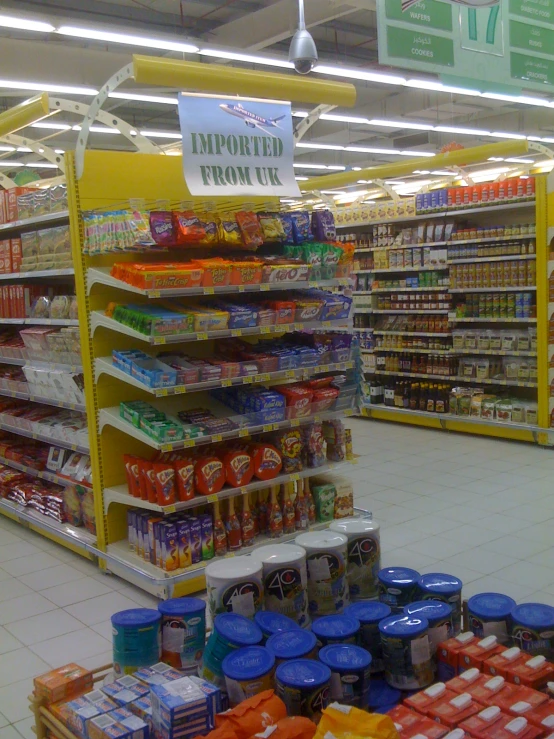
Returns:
<point x="44" y="459"/>
<point x="112" y="391"/>
<point x="455" y="298"/>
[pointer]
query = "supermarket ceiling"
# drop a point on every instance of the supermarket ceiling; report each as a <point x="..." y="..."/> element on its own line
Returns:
<point x="346" y="36"/>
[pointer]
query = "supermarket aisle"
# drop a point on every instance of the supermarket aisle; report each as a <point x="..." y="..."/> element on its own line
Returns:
<point x="480" y="509"/>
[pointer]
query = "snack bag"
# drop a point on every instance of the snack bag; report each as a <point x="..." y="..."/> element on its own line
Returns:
<point x="229" y="234"/>
<point x="184" y="478"/>
<point x="253" y="715"/>
<point x="323" y="225"/>
<point x="209" y="223"/>
<point x="250" y="229"/>
<point x="289" y="444"/>
<point x="349" y="722"/>
<point x="292" y="727"/>
<point x="272" y="228"/>
<point x="164" y="481"/>
<point x="162" y="227"/>
<point x="286" y="222"/>
<point x="187" y="227"/>
<point x="301" y="226"/>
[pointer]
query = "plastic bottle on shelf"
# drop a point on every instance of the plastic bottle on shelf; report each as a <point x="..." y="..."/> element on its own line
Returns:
<point x="289" y="518"/>
<point x="275" y="515"/>
<point x="247" y="523"/>
<point x="220" y="534"/>
<point x="263" y="512"/>
<point x="232" y="524"/>
<point x="255" y="509"/>
<point x="300" y="510"/>
<point x="310" y="505"/>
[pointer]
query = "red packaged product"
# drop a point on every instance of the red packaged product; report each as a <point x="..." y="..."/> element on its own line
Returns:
<point x="493" y="724"/>
<point x="250" y="229"/>
<point x="164" y="480"/>
<point x="162" y="228"/>
<point x="188" y="227"/>
<point x="209" y="475"/>
<point x="422" y="701"/>
<point x="541" y="716"/>
<point x="246" y="273"/>
<point x="184" y="478"/>
<point x="535" y="673"/>
<point x="147" y="481"/>
<point x="500" y="663"/>
<point x="298" y="400"/>
<point x="481" y="724"/>
<point x="289" y="445"/>
<point x="323" y="398"/>
<point x="267" y="461"/>
<point x="411" y="724"/>
<point x="476" y="653"/>
<point x="452" y="711"/>
<point x="284" y="310"/>
<point x="132" y="473"/>
<point x="239" y="468"/>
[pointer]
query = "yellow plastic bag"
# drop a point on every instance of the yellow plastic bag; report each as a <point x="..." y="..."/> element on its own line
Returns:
<point x="349" y="722"/>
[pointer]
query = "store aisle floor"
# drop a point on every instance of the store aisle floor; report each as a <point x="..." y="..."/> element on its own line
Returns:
<point x="477" y="508"/>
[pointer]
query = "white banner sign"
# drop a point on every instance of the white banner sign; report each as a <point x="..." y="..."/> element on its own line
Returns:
<point x="237" y="146"/>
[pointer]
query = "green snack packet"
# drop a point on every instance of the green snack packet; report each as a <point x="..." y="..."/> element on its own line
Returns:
<point x="324" y="499"/>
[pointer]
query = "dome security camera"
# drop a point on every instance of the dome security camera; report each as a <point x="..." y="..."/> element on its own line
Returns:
<point x="303" y="51"/>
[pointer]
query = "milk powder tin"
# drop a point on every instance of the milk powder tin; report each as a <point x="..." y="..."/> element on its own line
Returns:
<point x="183" y="632"/>
<point x="439" y="616"/>
<point x="326" y="559"/>
<point x="369" y="614"/>
<point x="364" y="555"/>
<point x="533" y="628"/>
<point x="136" y="639"/>
<point x="230" y="632"/>
<point x="304" y="687"/>
<point x="234" y="586"/>
<point x="397" y="587"/>
<point x="406" y="652"/>
<point x="338" y="629"/>
<point x="350" y="673"/>
<point x="270" y="623"/>
<point x="285" y="580"/>
<point x="489" y="614"/>
<point x="382" y="697"/>
<point x="294" y="644"/>
<point x="446" y="588"/>
<point x="248" y="671"/>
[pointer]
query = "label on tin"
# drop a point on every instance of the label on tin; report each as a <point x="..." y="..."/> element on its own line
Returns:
<point x="244" y="598"/>
<point x="309" y="702"/>
<point x="489" y="628"/>
<point x="453" y="600"/>
<point x="408" y="662"/>
<point x="532" y="641"/>
<point x="364" y="563"/>
<point x="371" y="640"/>
<point x="285" y="592"/>
<point x="327" y="585"/>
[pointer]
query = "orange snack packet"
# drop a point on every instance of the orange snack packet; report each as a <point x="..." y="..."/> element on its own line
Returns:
<point x="250" y="229"/>
<point x="222" y="733"/>
<point x="253" y="715"/>
<point x="292" y="727"/>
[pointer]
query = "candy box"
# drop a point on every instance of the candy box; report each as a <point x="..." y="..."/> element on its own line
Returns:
<point x="535" y="673"/>
<point x="177" y="703"/>
<point x="410" y="724"/>
<point x="284" y="310"/>
<point x="298" y="400"/>
<point x="468" y="681"/>
<point x="63" y="682"/>
<point x="157" y="674"/>
<point x="500" y="663"/>
<point x="541" y="716"/>
<point x="324" y="498"/>
<point x="169" y="546"/>
<point x="452" y="711"/>
<point x="153" y="373"/>
<point x="475" y="653"/>
<point x="246" y="273"/>
<point x="77" y="713"/>
<point x="119" y="724"/>
<point x="125" y="690"/>
<point x="142" y="708"/>
<point x="481" y="724"/>
<point x="448" y="655"/>
<point x="183" y="537"/>
<point x="425" y="699"/>
<point x="308" y="309"/>
<point x="496" y="725"/>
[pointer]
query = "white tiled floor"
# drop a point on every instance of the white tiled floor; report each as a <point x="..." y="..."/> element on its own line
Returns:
<point x="477" y="508"/>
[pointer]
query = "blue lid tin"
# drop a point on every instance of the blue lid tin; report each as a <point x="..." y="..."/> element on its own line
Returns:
<point x="136" y="618"/>
<point x="440" y="583"/>
<point x="381" y="694"/>
<point x="368" y="612"/>
<point x="435" y="611"/>
<point x="345" y="657"/>
<point x="401" y="626"/>
<point x="181" y="606"/>
<point x="490" y="606"/>
<point x="248" y="663"/>
<point x="337" y="628"/>
<point x="238" y="629"/>
<point x="536" y="616"/>
<point x="291" y="644"/>
<point x="303" y="673"/>
<point x="270" y="623"/>
<point x="399" y="577"/>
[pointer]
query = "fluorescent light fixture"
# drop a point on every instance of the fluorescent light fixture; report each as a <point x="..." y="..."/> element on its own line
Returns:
<point x="128" y="39"/>
<point x="23" y="24"/>
<point x="301" y="179"/>
<point x="440" y="87"/>
<point x="400" y="124"/>
<point x="356" y="169"/>
<point x="299" y="165"/>
<point x="238" y="56"/>
<point x="515" y="160"/>
<point x="458" y="129"/>
<point x="418" y="153"/>
<point x="7" y="148"/>
<point x="534" y="138"/>
<point x="47" y="87"/>
<point x="442" y="172"/>
<point x="161" y="134"/>
<point x="162" y="100"/>
<point x="299" y="114"/>
<point x="41" y="165"/>
<point x="502" y="135"/>
<point x="26" y="150"/>
<point x="371" y="150"/>
<point x="342" y="118"/>
<point x="330" y="147"/>
<point x="59" y="151"/>
<point x="5" y="163"/>
<point x="359" y="74"/>
<point x="51" y="126"/>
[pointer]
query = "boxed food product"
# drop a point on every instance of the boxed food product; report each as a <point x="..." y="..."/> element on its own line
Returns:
<point x="63" y="682"/>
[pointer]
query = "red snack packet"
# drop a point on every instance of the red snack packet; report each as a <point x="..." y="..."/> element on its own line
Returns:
<point x="161" y="228"/>
<point x="188" y="227"/>
<point x="147" y="481"/>
<point x="164" y="481"/>
<point x="267" y="461"/>
<point x="184" y="478"/>
<point x="250" y="229"/>
<point x="209" y="475"/>
<point x="132" y="473"/>
<point x="253" y="715"/>
<point x="239" y="468"/>
<point x="289" y="446"/>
